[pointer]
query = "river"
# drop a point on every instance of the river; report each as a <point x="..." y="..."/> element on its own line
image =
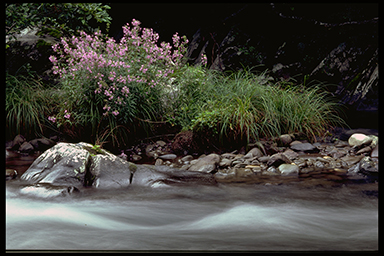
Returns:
<point x="225" y="217"/>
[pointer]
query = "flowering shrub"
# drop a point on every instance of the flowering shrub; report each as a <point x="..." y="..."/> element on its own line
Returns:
<point x="124" y="80"/>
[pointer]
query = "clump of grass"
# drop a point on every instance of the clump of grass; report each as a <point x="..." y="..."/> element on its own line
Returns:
<point x="244" y="106"/>
<point x="25" y="105"/>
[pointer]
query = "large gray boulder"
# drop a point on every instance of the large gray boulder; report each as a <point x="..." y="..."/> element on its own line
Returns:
<point x="79" y="165"/>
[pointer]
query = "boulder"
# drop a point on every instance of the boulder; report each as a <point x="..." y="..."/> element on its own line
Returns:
<point x="79" y="165"/>
<point x="205" y="164"/>
<point x="359" y="139"/>
<point x="305" y="147"/>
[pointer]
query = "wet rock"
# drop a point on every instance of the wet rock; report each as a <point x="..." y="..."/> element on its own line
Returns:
<point x="79" y="165"/>
<point x="359" y="139"/>
<point x="26" y="147"/>
<point x="305" y="147"/>
<point x="205" y="164"/>
<point x="154" y="176"/>
<point x="277" y="159"/>
<point x="48" y="191"/>
<point x="368" y="167"/>
<point x="289" y="169"/>
<point x="10" y="174"/>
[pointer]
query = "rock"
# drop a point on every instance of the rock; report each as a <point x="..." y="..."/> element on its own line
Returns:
<point x="205" y="164"/>
<point x="289" y="169"/>
<point x="278" y="159"/>
<point x="350" y="160"/>
<point x="79" y="165"/>
<point x="366" y="149"/>
<point x="17" y="141"/>
<point x="295" y="142"/>
<point x="368" y="167"/>
<point x="305" y="147"/>
<point x="47" y="191"/>
<point x="161" y="143"/>
<point x="264" y="159"/>
<point x="225" y="162"/>
<point x="135" y="158"/>
<point x="168" y="156"/>
<point x="290" y="154"/>
<point x="26" y="147"/>
<point x="155" y="176"/>
<point x="285" y="139"/>
<point x="159" y="162"/>
<point x="359" y="139"/>
<point x="375" y="151"/>
<point x="255" y="152"/>
<point x="187" y="158"/>
<point x="272" y="170"/>
<point x="42" y="144"/>
<point x="10" y="174"/>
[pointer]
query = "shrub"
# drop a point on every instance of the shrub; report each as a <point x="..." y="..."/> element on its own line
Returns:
<point x="125" y="82"/>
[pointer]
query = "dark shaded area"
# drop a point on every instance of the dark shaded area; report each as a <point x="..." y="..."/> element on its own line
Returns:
<point x="291" y="40"/>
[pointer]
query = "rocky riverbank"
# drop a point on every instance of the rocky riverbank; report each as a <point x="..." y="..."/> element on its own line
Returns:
<point x="68" y="167"/>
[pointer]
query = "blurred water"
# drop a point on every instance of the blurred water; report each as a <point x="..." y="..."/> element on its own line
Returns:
<point x="224" y="217"/>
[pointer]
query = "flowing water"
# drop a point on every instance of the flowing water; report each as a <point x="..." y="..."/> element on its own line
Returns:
<point x="251" y="217"/>
<point x="224" y="217"/>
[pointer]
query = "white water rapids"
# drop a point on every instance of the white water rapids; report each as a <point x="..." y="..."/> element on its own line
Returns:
<point x="224" y="217"/>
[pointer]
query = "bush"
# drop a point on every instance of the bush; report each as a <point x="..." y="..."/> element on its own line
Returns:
<point x="125" y="82"/>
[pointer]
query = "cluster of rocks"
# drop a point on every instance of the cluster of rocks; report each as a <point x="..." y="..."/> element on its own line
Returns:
<point x="20" y="144"/>
<point x="358" y="155"/>
<point x="66" y="167"/>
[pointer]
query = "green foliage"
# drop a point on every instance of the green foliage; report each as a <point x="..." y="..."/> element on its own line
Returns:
<point x="26" y="102"/>
<point x="244" y="106"/>
<point x="56" y="19"/>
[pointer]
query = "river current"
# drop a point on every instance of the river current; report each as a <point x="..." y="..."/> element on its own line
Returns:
<point x="250" y="217"/>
